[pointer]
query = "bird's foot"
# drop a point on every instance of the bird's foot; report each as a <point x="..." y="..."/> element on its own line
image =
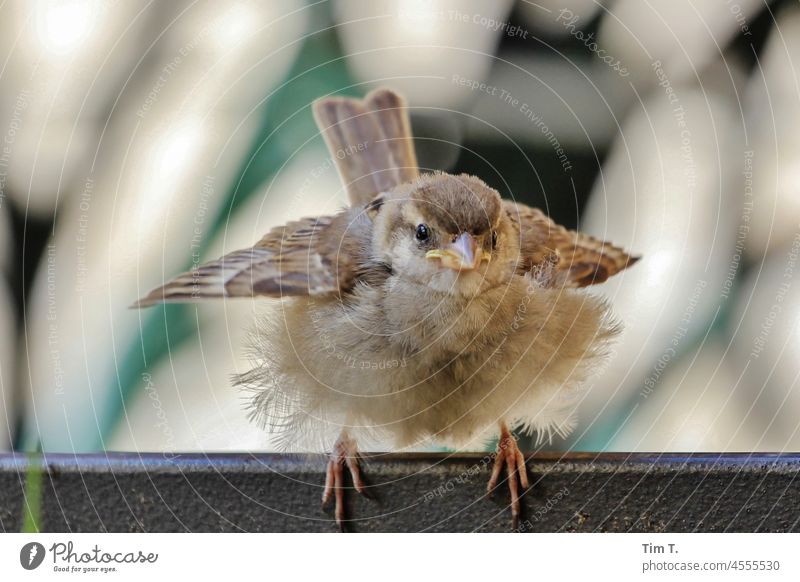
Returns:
<point x="509" y="456"/>
<point x="345" y="453"/>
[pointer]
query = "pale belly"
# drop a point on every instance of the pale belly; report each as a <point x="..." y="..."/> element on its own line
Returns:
<point x="440" y="373"/>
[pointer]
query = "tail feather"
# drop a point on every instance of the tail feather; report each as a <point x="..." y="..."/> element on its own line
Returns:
<point x="390" y="109"/>
<point x="370" y="141"/>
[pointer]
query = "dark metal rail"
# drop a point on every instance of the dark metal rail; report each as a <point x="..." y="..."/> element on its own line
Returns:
<point x="409" y="492"/>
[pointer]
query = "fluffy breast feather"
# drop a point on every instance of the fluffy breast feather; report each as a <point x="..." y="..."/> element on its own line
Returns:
<point x="447" y="374"/>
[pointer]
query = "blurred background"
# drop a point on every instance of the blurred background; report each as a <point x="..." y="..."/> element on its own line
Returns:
<point x="139" y="138"/>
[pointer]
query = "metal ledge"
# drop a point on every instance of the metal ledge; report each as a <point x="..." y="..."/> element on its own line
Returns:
<point x="121" y="492"/>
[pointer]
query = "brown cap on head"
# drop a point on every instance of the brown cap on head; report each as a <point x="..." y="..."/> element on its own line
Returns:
<point x="460" y="203"/>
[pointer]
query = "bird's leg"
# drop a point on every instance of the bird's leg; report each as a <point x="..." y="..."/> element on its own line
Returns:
<point x="345" y="453"/>
<point x="509" y="456"/>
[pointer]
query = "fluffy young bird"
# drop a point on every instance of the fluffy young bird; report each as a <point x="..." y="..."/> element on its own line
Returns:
<point x="429" y="310"/>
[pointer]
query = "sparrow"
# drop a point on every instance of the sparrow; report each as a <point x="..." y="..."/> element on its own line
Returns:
<point x="428" y="311"/>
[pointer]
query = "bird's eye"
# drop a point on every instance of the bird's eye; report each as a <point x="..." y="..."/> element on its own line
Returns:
<point x="494" y="239"/>
<point x="422" y="232"/>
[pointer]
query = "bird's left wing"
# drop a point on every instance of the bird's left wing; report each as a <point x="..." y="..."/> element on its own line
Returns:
<point x="572" y="259"/>
<point x="312" y="256"/>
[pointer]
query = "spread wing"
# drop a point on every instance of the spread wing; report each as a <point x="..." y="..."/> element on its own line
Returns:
<point x="312" y="256"/>
<point x="576" y="259"/>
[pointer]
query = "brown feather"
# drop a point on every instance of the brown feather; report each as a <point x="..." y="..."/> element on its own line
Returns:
<point x="461" y="203"/>
<point x="390" y="109"/>
<point x="312" y="256"/>
<point x="329" y="254"/>
<point x="575" y="259"/>
<point x="370" y="141"/>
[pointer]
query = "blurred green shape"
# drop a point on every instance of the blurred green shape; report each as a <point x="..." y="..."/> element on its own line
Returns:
<point x="34" y="490"/>
<point x="286" y="125"/>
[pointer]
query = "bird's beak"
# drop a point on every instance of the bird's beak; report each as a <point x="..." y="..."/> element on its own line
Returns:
<point x="463" y="254"/>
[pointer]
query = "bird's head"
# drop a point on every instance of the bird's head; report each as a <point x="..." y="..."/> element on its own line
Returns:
<point x="447" y="232"/>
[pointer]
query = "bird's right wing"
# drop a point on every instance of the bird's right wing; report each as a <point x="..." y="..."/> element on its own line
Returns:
<point x="370" y="140"/>
<point x="312" y="256"/>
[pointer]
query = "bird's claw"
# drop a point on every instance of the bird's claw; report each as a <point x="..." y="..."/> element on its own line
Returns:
<point x="345" y="453"/>
<point x="509" y="456"/>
